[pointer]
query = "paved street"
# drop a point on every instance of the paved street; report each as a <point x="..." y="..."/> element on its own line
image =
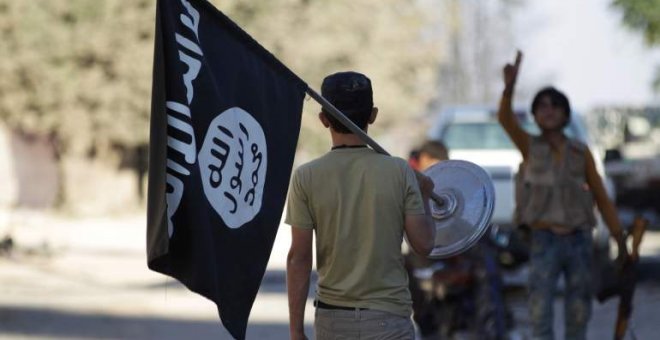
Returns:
<point x="88" y="279"/>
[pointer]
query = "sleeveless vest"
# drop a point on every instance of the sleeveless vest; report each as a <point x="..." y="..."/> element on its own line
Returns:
<point x="554" y="193"/>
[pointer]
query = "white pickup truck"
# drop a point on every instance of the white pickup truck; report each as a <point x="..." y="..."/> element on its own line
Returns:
<point x="635" y="162"/>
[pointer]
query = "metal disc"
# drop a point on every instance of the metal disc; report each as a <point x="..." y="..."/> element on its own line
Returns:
<point x="467" y="200"/>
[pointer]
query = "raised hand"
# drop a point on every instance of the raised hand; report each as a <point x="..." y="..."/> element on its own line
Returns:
<point x="511" y="72"/>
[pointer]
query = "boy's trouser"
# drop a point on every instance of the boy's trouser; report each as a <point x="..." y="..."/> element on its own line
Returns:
<point x="550" y="256"/>
<point x="361" y="324"/>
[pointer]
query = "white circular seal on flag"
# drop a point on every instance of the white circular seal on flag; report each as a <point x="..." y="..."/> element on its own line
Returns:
<point x="232" y="163"/>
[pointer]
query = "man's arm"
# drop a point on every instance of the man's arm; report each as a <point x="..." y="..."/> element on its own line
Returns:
<point x="604" y="204"/>
<point x="420" y="229"/>
<point x="505" y="113"/>
<point x="298" y="269"/>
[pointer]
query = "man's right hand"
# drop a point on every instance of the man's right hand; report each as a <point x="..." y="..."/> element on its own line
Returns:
<point x="511" y="73"/>
<point x="426" y="185"/>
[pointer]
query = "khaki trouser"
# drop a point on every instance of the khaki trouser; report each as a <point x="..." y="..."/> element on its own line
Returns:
<point x="334" y="324"/>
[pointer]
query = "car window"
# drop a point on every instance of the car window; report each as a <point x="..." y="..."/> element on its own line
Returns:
<point x="486" y="135"/>
<point x="476" y="135"/>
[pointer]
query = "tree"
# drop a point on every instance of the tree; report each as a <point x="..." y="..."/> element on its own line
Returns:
<point x="77" y="69"/>
<point x="81" y="69"/>
<point x="643" y="16"/>
<point x="477" y="35"/>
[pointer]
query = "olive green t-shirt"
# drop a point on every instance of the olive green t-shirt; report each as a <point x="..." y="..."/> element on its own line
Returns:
<point x="356" y="200"/>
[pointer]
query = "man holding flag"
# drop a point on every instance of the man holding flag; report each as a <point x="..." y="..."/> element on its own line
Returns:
<point x="224" y="126"/>
<point x="359" y="203"/>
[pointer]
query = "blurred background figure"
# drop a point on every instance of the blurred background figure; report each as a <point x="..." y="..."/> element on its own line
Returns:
<point x="424" y="311"/>
<point x="561" y="187"/>
<point x="413" y="159"/>
<point x="430" y="153"/>
<point x="459" y="294"/>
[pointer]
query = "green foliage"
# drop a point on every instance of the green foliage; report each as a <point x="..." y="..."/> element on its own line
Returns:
<point x="77" y="69"/>
<point x="81" y="69"/>
<point x="642" y="15"/>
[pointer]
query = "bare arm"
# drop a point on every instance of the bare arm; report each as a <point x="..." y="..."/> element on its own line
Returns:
<point x="604" y="204"/>
<point x="505" y="113"/>
<point x="420" y="229"/>
<point x="298" y="269"/>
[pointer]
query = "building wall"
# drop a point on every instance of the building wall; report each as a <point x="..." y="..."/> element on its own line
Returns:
<point x="30" y="179"/>
<point x="8" y="184"/>
<point x="35" y="170"/>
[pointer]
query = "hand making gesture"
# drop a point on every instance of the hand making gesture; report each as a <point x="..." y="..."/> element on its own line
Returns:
<point x="511" y="73"/>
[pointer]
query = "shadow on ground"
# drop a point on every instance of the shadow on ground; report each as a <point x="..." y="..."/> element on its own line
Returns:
<point x="648" y="269"/>
<point x="37" y="322"/>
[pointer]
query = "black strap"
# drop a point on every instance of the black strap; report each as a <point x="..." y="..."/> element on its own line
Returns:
<point x="344" y="146"/>
<point x="323" y="305"/>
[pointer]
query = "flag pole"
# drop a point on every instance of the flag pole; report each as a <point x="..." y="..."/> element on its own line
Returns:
<point x="332" y="110"/>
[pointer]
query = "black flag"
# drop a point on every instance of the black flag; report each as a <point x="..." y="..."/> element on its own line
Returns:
<point x="225" y="119"/>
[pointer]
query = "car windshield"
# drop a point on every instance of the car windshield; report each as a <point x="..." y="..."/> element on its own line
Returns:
<point x="485" y="135"/>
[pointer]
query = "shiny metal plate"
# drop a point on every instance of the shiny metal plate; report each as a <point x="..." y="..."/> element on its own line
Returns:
<point x="468" y="199"/>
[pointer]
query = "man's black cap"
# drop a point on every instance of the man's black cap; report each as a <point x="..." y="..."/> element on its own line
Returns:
<point x="348" y="91"/>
